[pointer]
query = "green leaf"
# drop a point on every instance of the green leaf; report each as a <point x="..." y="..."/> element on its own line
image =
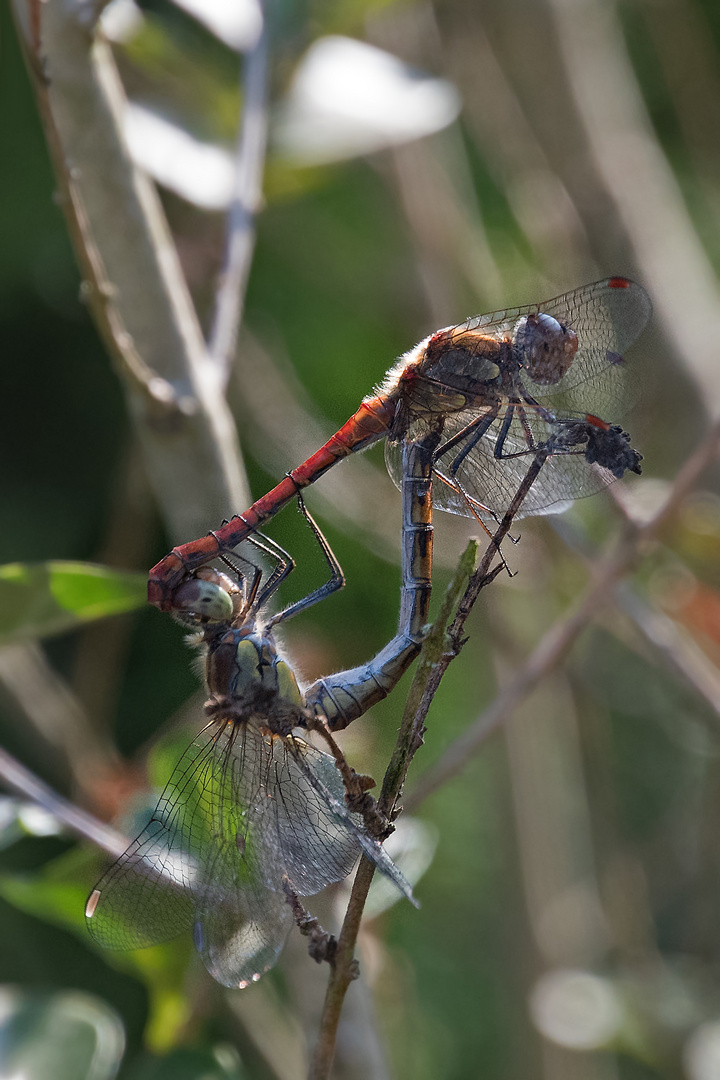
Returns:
<point x="62" y="1036"/>
<point x="62" y="905"/>
<point x="185" y="1063"/>
<point x="37" y="600"/>
<point x="57" y="894"/>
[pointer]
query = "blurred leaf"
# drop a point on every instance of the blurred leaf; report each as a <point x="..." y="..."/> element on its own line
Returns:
<point x="202" y="173"/>
<point x="62" y="1036"/>
<point x="412" y="848"/>
<point x="58" y="895"/>
<point x="52" y="902"/>
<point x="184" y="72"/>
<point x="219" y="1064"/>
<point x="50" y="598"/>
<point x="238" y="25"/>
<point x="349" y="98"/>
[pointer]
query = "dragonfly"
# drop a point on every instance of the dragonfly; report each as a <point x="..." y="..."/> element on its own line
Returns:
<point x="500" y="388"/>
<point x="253" y="809"/>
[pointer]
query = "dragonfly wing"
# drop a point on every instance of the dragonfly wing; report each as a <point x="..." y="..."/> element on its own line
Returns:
<point x="240" y="924"/>
<point x="322" y="775"/>
<point x="607" y="317"/>
<point x="204" y="841"/>
<point x="301" y="830"/>
<point x="492" y="482"/>
<point x="148" y="895"/>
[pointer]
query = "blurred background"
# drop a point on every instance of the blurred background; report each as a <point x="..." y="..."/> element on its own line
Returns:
<point x="448" y="159"/>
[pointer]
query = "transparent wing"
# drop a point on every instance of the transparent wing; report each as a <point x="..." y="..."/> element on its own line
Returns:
<point x="149" y="894"/>
<point x="491" y="483"/>
<point x="302" y="831"/>
<point x="239" y="812"/>
<point x="322" y="775"/>
<point x="607" y="317"/>
<point x="240" y="925"/>
<point x="202" y="860"/>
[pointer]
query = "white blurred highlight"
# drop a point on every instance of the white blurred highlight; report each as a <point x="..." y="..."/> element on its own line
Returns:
<point x="576" y="1009"/>
<point x="701" y="1053"/>
<point x="235" y="22"/>
<point x="198" y="172"/>
<point x="38" y="821"/>
<point x="349" y="98"/>
<point x="412" y="848"/>
<point x="121" y="20"/>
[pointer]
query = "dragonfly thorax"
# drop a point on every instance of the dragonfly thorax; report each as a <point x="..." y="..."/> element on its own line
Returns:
<point x="247" y="679"/>
<point x="467" y="360"/>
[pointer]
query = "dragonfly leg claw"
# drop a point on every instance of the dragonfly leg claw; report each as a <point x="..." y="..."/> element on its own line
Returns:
<point x="322" y="947"/>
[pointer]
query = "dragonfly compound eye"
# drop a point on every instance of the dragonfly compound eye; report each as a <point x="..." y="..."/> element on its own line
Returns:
<point x="546" y="348"/>
<point x="203" y="601"/>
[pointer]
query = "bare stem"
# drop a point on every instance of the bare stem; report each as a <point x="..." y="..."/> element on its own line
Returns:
<point x="245" y="204"/>
<point x="26" y="784"/>
<point x="440" y="647"/>
<point x="133" y="281"/>
<point x="343" y="972"/>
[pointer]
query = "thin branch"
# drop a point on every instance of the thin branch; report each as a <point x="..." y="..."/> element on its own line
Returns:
<point x="247" y="196"/>
<point x="675" y="645"/>
<point x="26" y="784"/>
<point x="133" y="280"/>
<point x="441" y="646"/>
<point x="54" y="716"/>
<point x="626" y="155"/>
<point x="343" y="972"/>
<point x="344" y="966"/>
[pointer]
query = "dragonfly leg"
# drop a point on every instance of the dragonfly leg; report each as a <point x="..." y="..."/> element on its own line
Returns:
<point x="235" y="561"/>
<point x="336" y="581"/>
<point x="357" y="785"/>
<point x="504" y="429"/>
<point x="476" y="431"/>
<point x="541" y="456"/>
<point x="321" y="945"/>
<point x="472" y="434"/>
<point x="343" y="697"/>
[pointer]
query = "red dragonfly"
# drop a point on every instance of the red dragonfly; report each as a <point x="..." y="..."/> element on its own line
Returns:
<point x="500" y="388"/>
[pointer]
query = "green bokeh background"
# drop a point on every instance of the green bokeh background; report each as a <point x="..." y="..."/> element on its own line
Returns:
<point x="584" y="835"/>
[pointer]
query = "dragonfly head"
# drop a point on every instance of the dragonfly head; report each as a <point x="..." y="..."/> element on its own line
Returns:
<point x="207" y="598"/>
<point x="546" y="347"/>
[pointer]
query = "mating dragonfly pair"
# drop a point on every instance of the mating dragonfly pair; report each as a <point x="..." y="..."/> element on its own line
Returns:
<point x="494" y="410"/>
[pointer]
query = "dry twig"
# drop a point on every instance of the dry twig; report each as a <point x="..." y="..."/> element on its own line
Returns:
<point x="133" y="280"/>
<point x="247" y="196"/>
<point x="25" y="783"/>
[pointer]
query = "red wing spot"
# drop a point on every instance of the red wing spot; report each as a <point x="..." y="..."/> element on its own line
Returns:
<point x="618" y="283"/>
<point x="614" y="358"/>
<point x="597" y="422"/>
